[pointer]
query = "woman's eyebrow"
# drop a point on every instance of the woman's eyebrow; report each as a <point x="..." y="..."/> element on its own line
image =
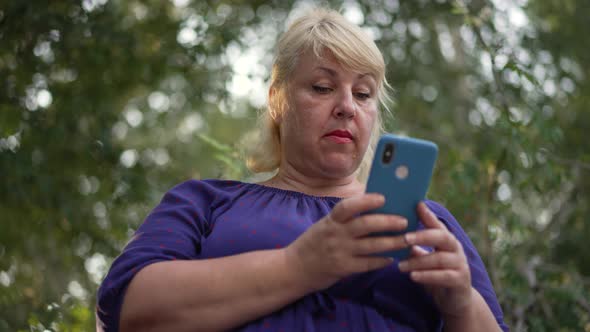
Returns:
<point x="334" y="73"/>
<point x="329" y="71"/>
<point x="363" y="75"/>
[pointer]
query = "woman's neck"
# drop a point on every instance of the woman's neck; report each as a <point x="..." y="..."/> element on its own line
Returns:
<point x="295" y="181"/>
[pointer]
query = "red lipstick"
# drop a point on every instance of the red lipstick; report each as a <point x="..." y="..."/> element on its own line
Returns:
<point x="340" y="136"/>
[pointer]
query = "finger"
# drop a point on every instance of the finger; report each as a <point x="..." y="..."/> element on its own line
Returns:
<point x="370" y="263"/>
<point x="437" y="238"/>
<point x="419" y="251"/>
<point x="374" y="223"/>
<point x="378" y="244"/>
<point x="428" y="218"/>
<point x="441" y="278"/>
<point x="350" y="207"/>
<point x="436" y="261"/>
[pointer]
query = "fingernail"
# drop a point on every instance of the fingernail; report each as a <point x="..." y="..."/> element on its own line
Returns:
<point x="405" y="222"/>
<point x="410" y="238"/>
<point x="379" y="197"/>
<point x="403" y="266"/>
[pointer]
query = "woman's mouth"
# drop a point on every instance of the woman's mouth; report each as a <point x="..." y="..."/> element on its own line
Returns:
<point x="340" y="136"/>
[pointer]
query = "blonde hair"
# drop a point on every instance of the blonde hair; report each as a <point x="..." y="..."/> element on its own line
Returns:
<point x="319" y="30"/>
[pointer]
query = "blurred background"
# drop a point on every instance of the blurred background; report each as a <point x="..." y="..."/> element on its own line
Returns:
<point x="106" y="104"/>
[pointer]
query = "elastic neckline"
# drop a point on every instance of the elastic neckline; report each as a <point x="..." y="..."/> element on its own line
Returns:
<point x="290" y="192"/>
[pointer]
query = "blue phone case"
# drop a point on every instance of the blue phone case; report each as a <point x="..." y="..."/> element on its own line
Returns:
<point x="402" y="195"/>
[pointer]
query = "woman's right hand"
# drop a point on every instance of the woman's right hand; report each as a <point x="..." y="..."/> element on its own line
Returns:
<point x="337" y="245"/>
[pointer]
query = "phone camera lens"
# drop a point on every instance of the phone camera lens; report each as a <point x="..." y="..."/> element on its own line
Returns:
<point x="388" y="153"/>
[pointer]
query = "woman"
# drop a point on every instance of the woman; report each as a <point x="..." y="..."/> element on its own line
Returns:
<point x="292" y="253"/>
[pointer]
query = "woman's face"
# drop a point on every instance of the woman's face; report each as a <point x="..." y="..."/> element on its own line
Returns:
<point x="327" y="125"/>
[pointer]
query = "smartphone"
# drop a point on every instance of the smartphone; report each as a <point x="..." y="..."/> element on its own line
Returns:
<point x="401" y="171"/>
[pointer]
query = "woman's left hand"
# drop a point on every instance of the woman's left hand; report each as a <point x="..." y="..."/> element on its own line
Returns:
<point x="444" y="272"/>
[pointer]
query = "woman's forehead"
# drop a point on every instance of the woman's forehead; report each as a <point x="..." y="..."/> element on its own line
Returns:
<point x="327" y="63"/>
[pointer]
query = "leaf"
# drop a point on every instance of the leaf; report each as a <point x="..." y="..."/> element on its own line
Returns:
<point x="215" y="143"/>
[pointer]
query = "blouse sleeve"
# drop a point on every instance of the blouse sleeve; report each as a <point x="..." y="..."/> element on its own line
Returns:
<point x="173" y="230"/>
<point x="479" y="275"/>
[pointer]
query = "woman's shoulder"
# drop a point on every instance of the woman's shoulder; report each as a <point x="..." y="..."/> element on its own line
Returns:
<point x="444" y="215"/>
<point x="203" y="192"/>
<point x="439" y="209"/>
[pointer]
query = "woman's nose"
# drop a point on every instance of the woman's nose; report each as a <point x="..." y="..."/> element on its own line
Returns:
<point x="345" y="107"/>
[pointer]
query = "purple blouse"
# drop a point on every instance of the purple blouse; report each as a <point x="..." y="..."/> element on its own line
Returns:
<point x="215" y="218"/>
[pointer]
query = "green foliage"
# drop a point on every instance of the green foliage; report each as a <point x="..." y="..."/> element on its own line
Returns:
<point x="103" y="107"/>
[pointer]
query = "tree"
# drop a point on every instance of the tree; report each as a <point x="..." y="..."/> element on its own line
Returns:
<point x="104" y="105"/>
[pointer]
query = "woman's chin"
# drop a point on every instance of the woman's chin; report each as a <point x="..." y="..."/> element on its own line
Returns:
<point x="339" y="169"/>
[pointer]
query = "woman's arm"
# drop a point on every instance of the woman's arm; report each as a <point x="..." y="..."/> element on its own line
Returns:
<point x="477" y="317"/>
<point x="210" y="295"/>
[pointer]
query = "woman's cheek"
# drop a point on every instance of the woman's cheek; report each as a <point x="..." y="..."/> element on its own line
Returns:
<point x="369" y="121"/>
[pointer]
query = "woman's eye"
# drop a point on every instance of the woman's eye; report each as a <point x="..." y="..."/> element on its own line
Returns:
<point x="321" y="89"/>
<point x="363" y="95"/>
